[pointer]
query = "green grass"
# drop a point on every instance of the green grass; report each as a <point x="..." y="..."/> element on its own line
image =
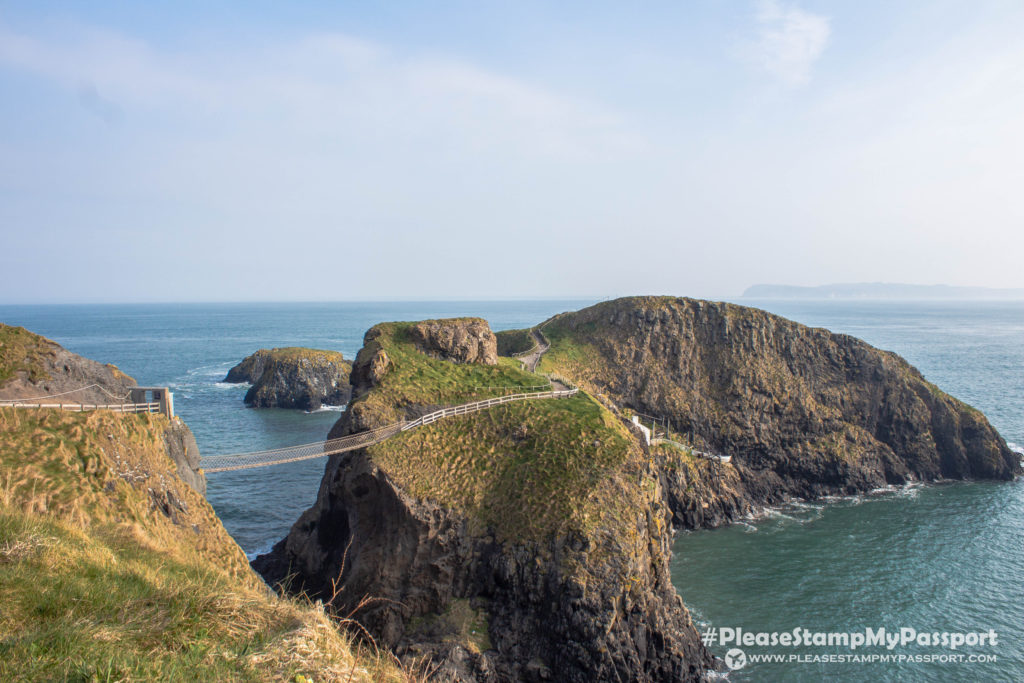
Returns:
<point x="571" y="355"/>
<point x="414" y="378"/>
<point x="459" y="623"/>
<point x="525" y="469"/>
<point x="22" y="351"/>
<point x="514" y="341"/>
<point x="299" y="352"/>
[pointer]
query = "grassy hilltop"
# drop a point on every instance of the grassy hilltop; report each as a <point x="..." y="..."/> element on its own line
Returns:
<point x="526" y="470"/>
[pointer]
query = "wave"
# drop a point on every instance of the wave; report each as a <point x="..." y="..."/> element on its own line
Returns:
<point x="327" y="409"/>
<point x="262" y="550"/>
<point x="1016" y="448"/>
<point x="232" y="385"/>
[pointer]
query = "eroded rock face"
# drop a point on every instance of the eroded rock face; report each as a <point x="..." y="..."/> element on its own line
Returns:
<point x="461" y="340"/>
<point x="371" y="364"/>
<point x="181" y="447"/>
<point x="293" y="378"/>
<point x="803" y="411"/>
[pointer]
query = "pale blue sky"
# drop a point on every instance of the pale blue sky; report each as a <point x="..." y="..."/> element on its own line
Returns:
<point x="505" y="150"/>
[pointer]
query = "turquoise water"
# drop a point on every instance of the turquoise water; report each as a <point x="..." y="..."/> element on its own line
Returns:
<point x="944" y="558"/>
<point x="947" y="557"/>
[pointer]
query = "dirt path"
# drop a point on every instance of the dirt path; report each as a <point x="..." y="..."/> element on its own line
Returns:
<point x="532" y="359"/>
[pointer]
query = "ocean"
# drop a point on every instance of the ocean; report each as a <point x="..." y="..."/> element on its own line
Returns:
<point x="939" y="558"/>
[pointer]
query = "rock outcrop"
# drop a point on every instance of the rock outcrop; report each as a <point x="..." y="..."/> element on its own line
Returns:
<point x="804" y="412"/>
<point x="32" y="366"/>
<point x="462" y="340"/>
<point x="407" y="540"/>
<point x="294" y="378"/>
<point x="182" y="449"/>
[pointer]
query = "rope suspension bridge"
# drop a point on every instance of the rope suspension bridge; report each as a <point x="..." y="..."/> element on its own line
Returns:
<point x="279" y="456"/>
<point x="160" y="400"/>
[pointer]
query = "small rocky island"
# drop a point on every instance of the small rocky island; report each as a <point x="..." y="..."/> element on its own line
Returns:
<point x="294" y="377"/>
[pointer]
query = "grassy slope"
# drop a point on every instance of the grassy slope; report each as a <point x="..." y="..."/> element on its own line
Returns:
<point x="514" y="341"/>
<point x="22" y="351"/>
<point x="105" y="575"/>
<point x="416" y="379"/>
<point x="526" y="470"/>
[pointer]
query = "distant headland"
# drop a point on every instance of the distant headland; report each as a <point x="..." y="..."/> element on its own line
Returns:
<point x="879" y="290"/>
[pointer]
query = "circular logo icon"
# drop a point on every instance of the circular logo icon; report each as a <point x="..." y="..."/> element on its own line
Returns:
<point x="735" y="659"/>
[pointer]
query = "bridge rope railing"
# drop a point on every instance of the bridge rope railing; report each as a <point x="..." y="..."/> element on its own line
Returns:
<point x="279" y="456"/>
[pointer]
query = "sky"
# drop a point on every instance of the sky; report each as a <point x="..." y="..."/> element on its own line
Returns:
<point x="266" y="151"/>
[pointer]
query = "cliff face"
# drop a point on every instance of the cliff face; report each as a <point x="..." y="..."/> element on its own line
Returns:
<point x="293" y="378"/>
<point x="32" y="366"/>
<point x="802" y="411"/>
<point x="526" y="542"/>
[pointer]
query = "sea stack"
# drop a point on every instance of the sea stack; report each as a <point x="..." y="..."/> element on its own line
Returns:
<point x="294" y="377"/>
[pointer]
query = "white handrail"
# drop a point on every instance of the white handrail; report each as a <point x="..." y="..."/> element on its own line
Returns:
<point x="279" y="456"/>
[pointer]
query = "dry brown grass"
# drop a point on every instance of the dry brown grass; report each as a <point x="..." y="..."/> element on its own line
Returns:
<point x="99" y="581"/>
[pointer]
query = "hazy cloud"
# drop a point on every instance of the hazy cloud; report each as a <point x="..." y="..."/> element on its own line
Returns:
<point x="324" y="82"/>
<point x="790" y="40"/>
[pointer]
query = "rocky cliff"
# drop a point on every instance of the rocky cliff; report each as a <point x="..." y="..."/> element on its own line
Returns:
<point x="32" y="366"/>
<point x="526" y="542"/>
<point x="293" y="378"/>
<point x="803" y="412"/>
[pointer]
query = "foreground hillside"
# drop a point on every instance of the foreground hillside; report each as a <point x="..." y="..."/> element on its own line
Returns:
<point x="112" y="567"/>
<point x="529" y="541"/>
<point x="803" y="411"/>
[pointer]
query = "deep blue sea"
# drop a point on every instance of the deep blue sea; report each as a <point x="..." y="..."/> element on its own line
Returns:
<point x="948" y="557"/>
